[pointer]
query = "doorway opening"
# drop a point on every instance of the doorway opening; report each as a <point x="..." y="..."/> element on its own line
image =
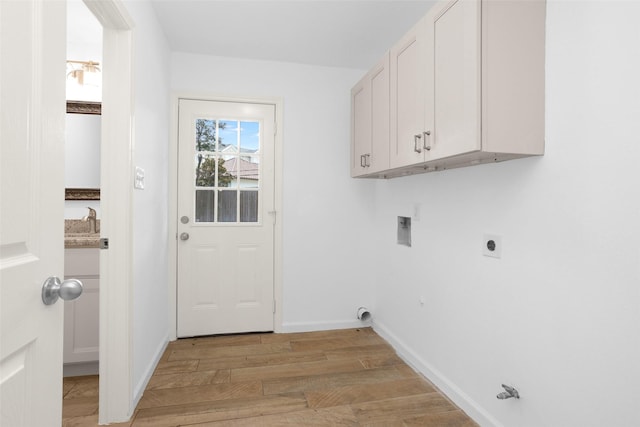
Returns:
<point x="82" y="213"/>
<point x="115" y="394"/>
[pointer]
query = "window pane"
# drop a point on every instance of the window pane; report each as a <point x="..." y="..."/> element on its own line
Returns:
<point x="249" y="174"/>
<point x="226" y="177"/>
<point x="205" y="134"/>
<point x="248" y="206"/>
<point x="205" y="206"/>
<point x="205" y="170"/>
<point x="227" y="160"/>
<point x="229" y="172"/>
<point x="227" y="206"/>
<point x="228" y="143"/>
<point x="249" y="137"/>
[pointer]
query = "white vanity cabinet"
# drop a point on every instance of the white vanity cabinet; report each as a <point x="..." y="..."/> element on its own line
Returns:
<point x="467" y="86"/>
<point x="81" y="320"/>
<point x="370" y="121"/>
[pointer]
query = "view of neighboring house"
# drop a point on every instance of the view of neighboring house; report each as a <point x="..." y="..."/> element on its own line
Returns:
<point x="243" y="171"/>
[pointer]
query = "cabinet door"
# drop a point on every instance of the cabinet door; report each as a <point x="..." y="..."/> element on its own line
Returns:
<point x="407" y="66"/>
<point x="457" y="79"/>
<point x="370" y="121"/>
<point x="81" y="324"/>
<point x="360" y="127"/>
<point x="81" y="316"/>
<point x="379" y="89"/>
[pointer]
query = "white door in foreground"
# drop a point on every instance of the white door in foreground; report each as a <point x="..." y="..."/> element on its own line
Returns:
<point x="32" y="111"/>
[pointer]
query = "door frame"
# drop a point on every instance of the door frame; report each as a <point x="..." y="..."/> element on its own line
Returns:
<point x="116" y="400"/>
<point x="173" y="202"/>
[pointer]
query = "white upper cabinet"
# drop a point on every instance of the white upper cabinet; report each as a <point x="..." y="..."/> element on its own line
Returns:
<point x="409" y="80"/>
<point x="370" y="121"/>
<point x="467" y="86"/>
<point x="360" y="127"/>
<point x="457" y="79"/>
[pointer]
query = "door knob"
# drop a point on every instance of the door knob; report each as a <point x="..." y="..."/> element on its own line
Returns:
<point x="52" y="289"/>
<point x="184" y="236"/>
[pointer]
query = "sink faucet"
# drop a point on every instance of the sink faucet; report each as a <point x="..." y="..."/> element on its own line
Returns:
<point x="92" y="219"/>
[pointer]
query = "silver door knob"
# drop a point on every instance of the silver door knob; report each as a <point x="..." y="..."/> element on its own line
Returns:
<point x="184" y="236"/>
<point x="52" y="289"/>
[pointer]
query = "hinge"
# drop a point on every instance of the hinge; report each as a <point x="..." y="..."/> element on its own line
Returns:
<point x="275" y="128"/>
<point x="104" y="243"/>
<point x="274" y="306"/>
<point x="273" y="216"/>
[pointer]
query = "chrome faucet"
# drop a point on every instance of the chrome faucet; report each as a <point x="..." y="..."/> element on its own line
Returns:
<point x="92" y="220"/>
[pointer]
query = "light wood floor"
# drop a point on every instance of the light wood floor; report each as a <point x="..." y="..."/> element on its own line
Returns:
<point x="331" y="378"/>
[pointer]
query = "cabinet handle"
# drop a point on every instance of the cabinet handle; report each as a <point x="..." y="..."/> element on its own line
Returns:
<point x="363" y="162"/>
<point x="416" y="148"/>
<point x="426" y="134"/>
<point x="366" y="160"/>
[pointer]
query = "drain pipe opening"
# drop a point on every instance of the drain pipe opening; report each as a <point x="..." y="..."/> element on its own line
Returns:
<point x="363" y="314"/>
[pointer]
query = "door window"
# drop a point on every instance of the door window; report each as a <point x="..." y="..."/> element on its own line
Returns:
<point x="227" y="170"/>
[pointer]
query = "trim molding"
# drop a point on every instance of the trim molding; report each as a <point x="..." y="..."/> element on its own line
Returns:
<point x="288" y="328"/>
<point x="84" y="107"/>
<point x="139" y="388"/>
<point x="448" y="388"/>
<point x="82" y="194"/>
<point x="116" y="269"/>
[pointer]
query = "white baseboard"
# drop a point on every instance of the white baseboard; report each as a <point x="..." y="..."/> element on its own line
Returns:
<point x="451" y="390"/>
<point x="323" y="326"/>
<point x="80" y="369"/>
<point x="138" y="390"/>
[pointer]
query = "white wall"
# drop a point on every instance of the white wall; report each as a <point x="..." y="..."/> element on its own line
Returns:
<point x="150" y="206"/>
<point x="327" y="216"/>
<point x="558" y="316"/>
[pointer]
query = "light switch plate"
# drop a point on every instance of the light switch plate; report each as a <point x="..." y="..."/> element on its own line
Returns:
<point x="139" y="179"/>
<point x="492" y="245"/>
<point x="416" y="211"/>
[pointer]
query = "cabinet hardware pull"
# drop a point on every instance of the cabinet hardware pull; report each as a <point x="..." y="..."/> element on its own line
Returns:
<point x="367" y="163"/>
<point x="415" y="143"/>
<point x="426" y="134"/>
<point x="363" y="162"/>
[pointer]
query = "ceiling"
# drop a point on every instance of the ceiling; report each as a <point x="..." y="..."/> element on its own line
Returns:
<point x="335" y="33"/>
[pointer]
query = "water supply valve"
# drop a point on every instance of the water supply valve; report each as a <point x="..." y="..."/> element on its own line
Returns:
<point x="508" y="393"/>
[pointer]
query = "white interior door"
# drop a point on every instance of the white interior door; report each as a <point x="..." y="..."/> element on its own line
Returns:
<point x="32" y="110"/>
<point x="226" y="217"/>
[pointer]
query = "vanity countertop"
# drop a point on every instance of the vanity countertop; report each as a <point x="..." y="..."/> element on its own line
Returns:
<point x="77" y="234"/>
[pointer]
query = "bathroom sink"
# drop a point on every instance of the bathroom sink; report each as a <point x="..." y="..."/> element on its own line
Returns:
<point x="77" y="234"/>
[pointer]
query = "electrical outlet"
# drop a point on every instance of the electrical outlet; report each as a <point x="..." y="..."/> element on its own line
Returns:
<point x="492" y="245"/>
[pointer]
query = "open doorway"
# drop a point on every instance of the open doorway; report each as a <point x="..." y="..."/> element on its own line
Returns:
<point x="82" y="214"/>
<point x="114" y="394"/>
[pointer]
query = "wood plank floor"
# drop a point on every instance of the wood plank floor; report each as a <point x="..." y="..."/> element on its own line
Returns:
<point x="346" y="377"/>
